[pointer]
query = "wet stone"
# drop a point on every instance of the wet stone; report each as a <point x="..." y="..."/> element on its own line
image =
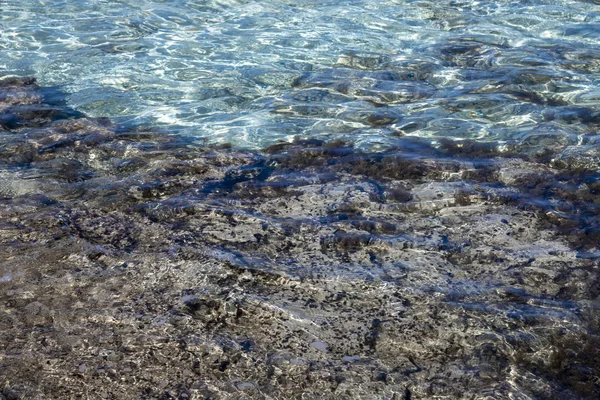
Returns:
<point x="137" y="264"/>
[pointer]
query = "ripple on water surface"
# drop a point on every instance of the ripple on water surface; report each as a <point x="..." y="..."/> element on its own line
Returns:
<point x="422" y="220"/>
<point x="230" y="71"/>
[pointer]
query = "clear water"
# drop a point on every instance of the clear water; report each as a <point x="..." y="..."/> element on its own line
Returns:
<point x="459" y="257"/>
<point x="255" y="72"/>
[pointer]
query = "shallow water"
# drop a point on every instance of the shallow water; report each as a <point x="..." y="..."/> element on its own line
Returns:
<point x="391" y="200"/>
<point x="252" y="72"/>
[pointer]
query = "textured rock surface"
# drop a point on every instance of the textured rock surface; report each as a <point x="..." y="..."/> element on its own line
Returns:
<point x="143" y="265"/>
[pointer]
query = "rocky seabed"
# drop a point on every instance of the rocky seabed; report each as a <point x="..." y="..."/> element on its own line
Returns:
<point x="136" y="264"/>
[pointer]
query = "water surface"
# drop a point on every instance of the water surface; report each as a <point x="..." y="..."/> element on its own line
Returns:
<point x="254" y="72"/>
<point x="308" y="199"/>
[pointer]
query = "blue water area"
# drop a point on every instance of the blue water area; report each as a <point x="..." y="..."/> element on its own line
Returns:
<point x="255" y="72"/>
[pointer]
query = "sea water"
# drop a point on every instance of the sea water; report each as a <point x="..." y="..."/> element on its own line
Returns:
<point x="299" y="199"/>
<point x="229" y="71"/>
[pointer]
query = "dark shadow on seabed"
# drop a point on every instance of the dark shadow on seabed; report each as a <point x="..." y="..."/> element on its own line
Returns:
<point x="138" y="264"/>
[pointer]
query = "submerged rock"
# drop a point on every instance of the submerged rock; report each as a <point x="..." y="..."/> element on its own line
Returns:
<point x="140" y="265"/>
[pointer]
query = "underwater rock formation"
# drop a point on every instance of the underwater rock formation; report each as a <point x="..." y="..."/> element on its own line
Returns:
<point x="139" y="264"/>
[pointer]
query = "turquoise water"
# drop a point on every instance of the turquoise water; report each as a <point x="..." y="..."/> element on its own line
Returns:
<point x="255" y="72"/>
